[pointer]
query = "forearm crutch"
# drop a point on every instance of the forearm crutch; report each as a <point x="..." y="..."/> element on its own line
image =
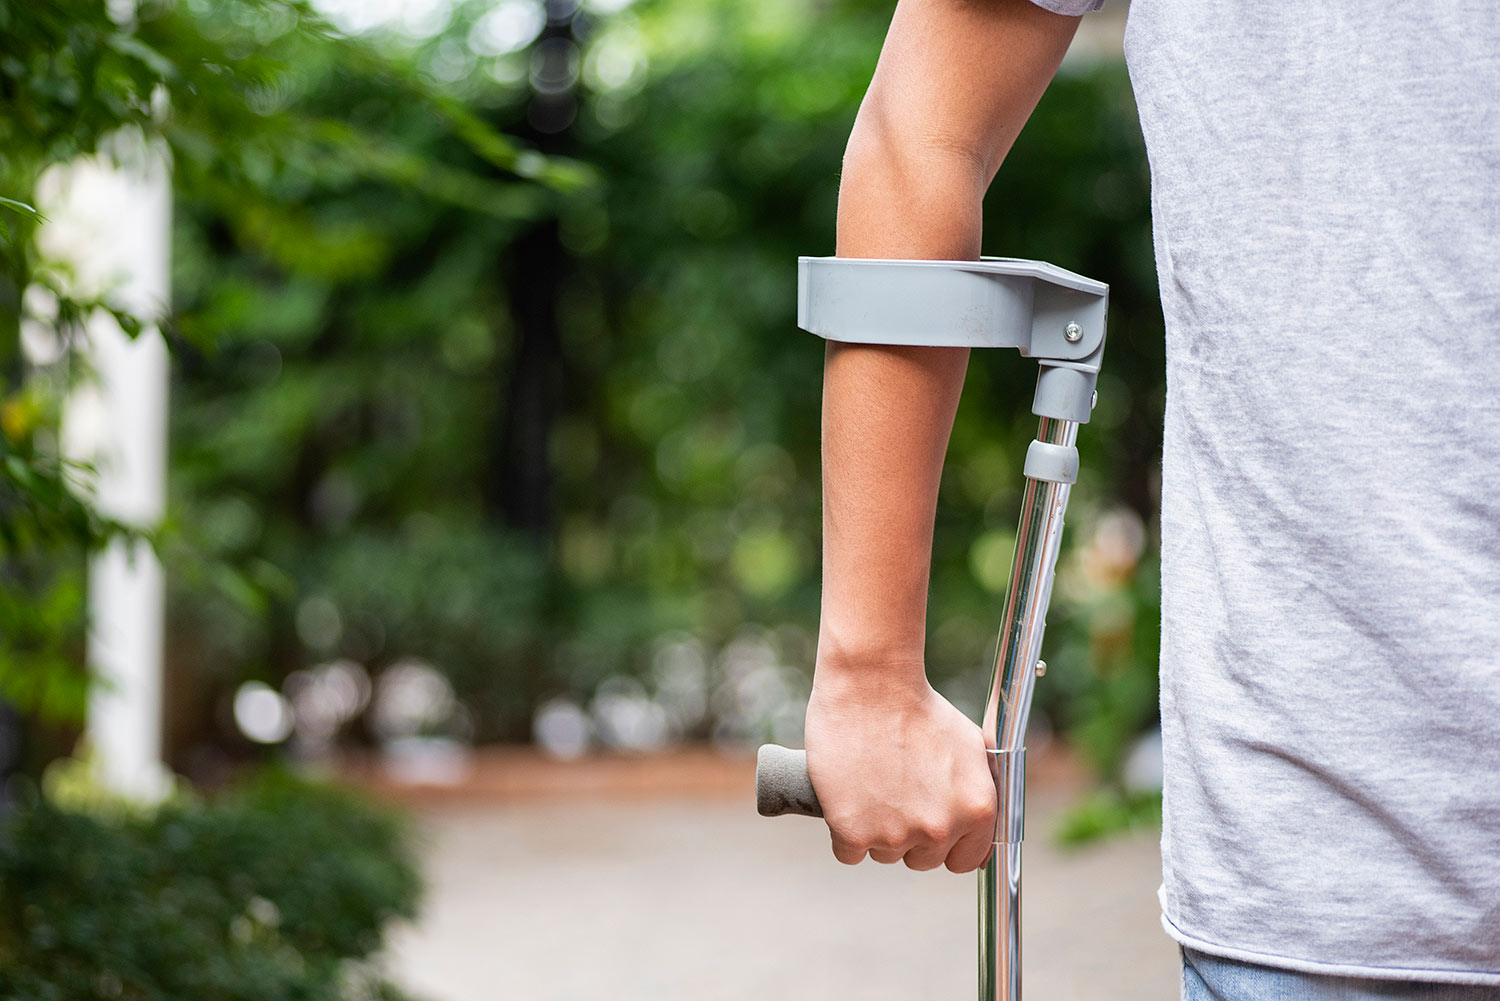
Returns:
<point x="1056" y="317"/>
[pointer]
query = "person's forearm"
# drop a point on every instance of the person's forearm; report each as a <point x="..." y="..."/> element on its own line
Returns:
<point x="887" y="412"/>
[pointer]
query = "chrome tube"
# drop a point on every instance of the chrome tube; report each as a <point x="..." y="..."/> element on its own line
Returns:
<point x="1000" y="924"/>
<point x="1038" y="539"/>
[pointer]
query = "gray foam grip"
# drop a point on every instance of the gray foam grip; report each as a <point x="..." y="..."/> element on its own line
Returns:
<point x="781" y="783"/>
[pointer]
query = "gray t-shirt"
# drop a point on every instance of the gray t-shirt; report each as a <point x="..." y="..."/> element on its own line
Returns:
<point x="1326" y="200"/>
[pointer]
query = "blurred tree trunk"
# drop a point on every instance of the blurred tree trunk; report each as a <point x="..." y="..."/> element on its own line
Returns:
<point x="13" y="272"/>
<point x="518" y="488"/>
<point x="518" y="485"/>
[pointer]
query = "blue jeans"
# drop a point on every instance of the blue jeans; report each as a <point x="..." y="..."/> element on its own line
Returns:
<point x="1209" y="978"/>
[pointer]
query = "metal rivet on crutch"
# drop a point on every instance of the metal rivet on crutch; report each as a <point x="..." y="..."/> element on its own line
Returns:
<point x="1073" y="332"/>
<point x="1041" y="668"/>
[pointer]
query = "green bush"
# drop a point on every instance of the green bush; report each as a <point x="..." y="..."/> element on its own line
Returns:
<point x="281" y="890"/>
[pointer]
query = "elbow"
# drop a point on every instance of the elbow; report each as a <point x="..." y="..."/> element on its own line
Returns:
<point x="909" y="191"/>
<point x="890" y="134"/>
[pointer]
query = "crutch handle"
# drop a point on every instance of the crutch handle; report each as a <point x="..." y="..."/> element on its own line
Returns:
<point x="781" y="783"/>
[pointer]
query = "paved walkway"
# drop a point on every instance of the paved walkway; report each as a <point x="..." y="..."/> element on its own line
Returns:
<point x="663" y="898"/>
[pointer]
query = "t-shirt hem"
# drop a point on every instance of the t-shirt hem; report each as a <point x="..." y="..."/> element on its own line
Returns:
<point x="1072" y="8"/>
<point x="1476" y="977"/>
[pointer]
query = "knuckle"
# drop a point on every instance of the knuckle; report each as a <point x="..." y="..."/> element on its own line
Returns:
<point x="980" y="812"/>
<point x="848" y="850"/>
<point x="848" y="832"/>
<point x="934" y="833"/>
<point x="966" y="859"/>
<point x="847" y="854"/>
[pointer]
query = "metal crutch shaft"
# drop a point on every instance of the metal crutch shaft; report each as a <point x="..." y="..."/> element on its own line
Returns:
<point x="1038" y="540"/>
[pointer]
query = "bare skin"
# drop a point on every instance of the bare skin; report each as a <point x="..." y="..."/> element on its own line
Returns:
<point x="901" y="774"/>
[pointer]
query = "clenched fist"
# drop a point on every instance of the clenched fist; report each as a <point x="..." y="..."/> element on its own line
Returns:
<point x="901" y="774"/>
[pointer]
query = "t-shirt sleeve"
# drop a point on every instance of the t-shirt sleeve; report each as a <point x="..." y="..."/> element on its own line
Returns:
<point x="1073" y="7"/>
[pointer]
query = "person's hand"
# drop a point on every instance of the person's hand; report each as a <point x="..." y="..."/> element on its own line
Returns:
<point x="901" y="774"/>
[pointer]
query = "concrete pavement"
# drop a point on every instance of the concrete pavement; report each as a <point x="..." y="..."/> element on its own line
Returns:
<point x="697" y="899"/>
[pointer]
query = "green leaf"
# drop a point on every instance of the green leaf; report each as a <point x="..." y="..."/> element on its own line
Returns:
<point x="130" y="45"/>
<point x="23" y="209"/>
<point x="129" y="323"/>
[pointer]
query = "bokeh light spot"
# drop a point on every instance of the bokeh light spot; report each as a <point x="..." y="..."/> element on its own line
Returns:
<point x="990" y="558"/>
<point x="261" y="714"/>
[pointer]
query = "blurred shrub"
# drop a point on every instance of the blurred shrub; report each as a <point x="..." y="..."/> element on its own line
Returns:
<point x="282" y="890"/>
<point x="1109" y="812"/>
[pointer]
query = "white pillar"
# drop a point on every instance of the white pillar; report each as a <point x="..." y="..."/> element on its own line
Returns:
<point x="113" y="225"/>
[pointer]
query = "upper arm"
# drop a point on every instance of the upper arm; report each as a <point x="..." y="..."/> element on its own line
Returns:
<point x="959" y="78"/>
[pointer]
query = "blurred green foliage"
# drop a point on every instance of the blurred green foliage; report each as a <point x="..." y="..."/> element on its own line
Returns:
<point x="1109" y="811"/>
<point x="214" y="83"/>
<point x="526" y="451"/>
<point x="280" y="890"/>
